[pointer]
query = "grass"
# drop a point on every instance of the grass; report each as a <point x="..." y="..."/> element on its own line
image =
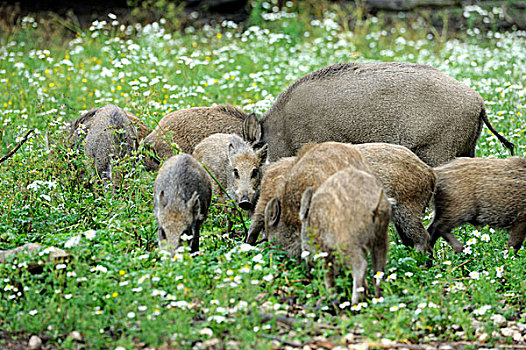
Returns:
<point x="119" y="290"/>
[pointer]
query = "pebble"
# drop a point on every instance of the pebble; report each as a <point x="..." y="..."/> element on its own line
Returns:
<point x="483" y="337"/>
<point x="498" y="319"/>
<point x="35" y="343"/>
<point x="75" y="336"/>
<point x="348" y="338"/>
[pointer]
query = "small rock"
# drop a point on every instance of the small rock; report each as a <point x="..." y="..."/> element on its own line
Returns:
<point x="120" y="348"/>
<point x="497" y="319"/>
<point x="212" y="343"/>
<point x="476" y="323"/>
<point x="517" y="336"/>
<point x="387" y="342"/>
<point x="231" y="345"/>
<point x="362" y="346"/>
<point x="507" y="332"/>
<point x="348" y="338"/>
<point x="306" y="347"/>
<point x="445" y="347"/>
<point x="34" y="343"/>
<point x="483" y="337"/>
<point x="75" y="336"/>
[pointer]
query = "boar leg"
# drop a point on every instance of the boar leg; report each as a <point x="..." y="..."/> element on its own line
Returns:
<point x="518" y="232"/>
<point x="195" y="240"/>
<point x="329" y="276"/>
<point x="439" y="229"/>
<point x="379" y="258"/>
<point x="359" y="268"/>
<point x="410" y="228"/>
<point x="255" y="228"/>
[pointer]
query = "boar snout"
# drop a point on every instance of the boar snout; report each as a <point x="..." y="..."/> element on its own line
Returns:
<point x="244" y="203"/>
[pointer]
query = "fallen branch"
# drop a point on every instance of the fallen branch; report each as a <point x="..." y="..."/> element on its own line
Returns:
<point x="464" y="263"/>
<point x="288" y="321"/>
<point x="283" y="341"/>
<point x="13" y="151"/>
<point x="291" y="322"/>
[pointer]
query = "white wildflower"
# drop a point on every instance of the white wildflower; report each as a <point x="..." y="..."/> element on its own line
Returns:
<point x="474" y="275"/>
<point x="72" y="242"/>
<point x="268" y="278"/>
<point x="90" y="234"/>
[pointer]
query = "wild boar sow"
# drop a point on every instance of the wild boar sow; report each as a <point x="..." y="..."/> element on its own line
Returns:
<point x="347" y="215"/>
<point x="182" y="194"/>
<point x="481" y="192"/>
<point x="416" y="106"/>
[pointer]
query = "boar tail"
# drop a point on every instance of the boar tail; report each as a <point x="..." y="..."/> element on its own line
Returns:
<point x="377" y="207"/>
<point x="501" y="138"/>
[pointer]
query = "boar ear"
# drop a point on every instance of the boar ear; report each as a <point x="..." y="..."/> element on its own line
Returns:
<point x="273" y="211"/>
<point x="251" y="129"/>
<point x="230" y="152"/>
<point x="162" y="199"/>
<point x="377" y="207"/>
<point x="305" y="203"/>
<point x="194" y="204"/>
<point x="262" y="155"/>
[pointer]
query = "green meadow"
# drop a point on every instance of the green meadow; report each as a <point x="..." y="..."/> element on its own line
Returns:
<point x="118" y="289"/>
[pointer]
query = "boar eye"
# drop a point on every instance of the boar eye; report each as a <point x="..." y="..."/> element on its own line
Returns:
<point x="236" y="174"/>
<point x="255" y="173"/>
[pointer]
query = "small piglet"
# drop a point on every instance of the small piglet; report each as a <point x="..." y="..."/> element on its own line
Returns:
<point x="182" y="194"/>
<point x="347" y="215"/>
<point x="235" y="165"/>
<point x="481" y="192"/>
<point x="272" y="184"/>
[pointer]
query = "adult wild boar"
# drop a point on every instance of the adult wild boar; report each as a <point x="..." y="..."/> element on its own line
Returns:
<point x="481" y="192"/>
<point x="187" y="127"/>
<point x="347" y="215"/>
<point x="182" y="194"/>
<point x="413" y="105"/>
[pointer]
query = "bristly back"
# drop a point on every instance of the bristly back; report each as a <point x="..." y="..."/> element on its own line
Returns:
<point x="339" y="68"/>
<point x="81" y="120"/>
<point x="123" y="131"/>
<point x="231" y="110"/>
<point x="304" y="149"/>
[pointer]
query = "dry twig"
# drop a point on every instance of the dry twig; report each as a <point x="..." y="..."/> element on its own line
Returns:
<point x="13" y="151"/>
